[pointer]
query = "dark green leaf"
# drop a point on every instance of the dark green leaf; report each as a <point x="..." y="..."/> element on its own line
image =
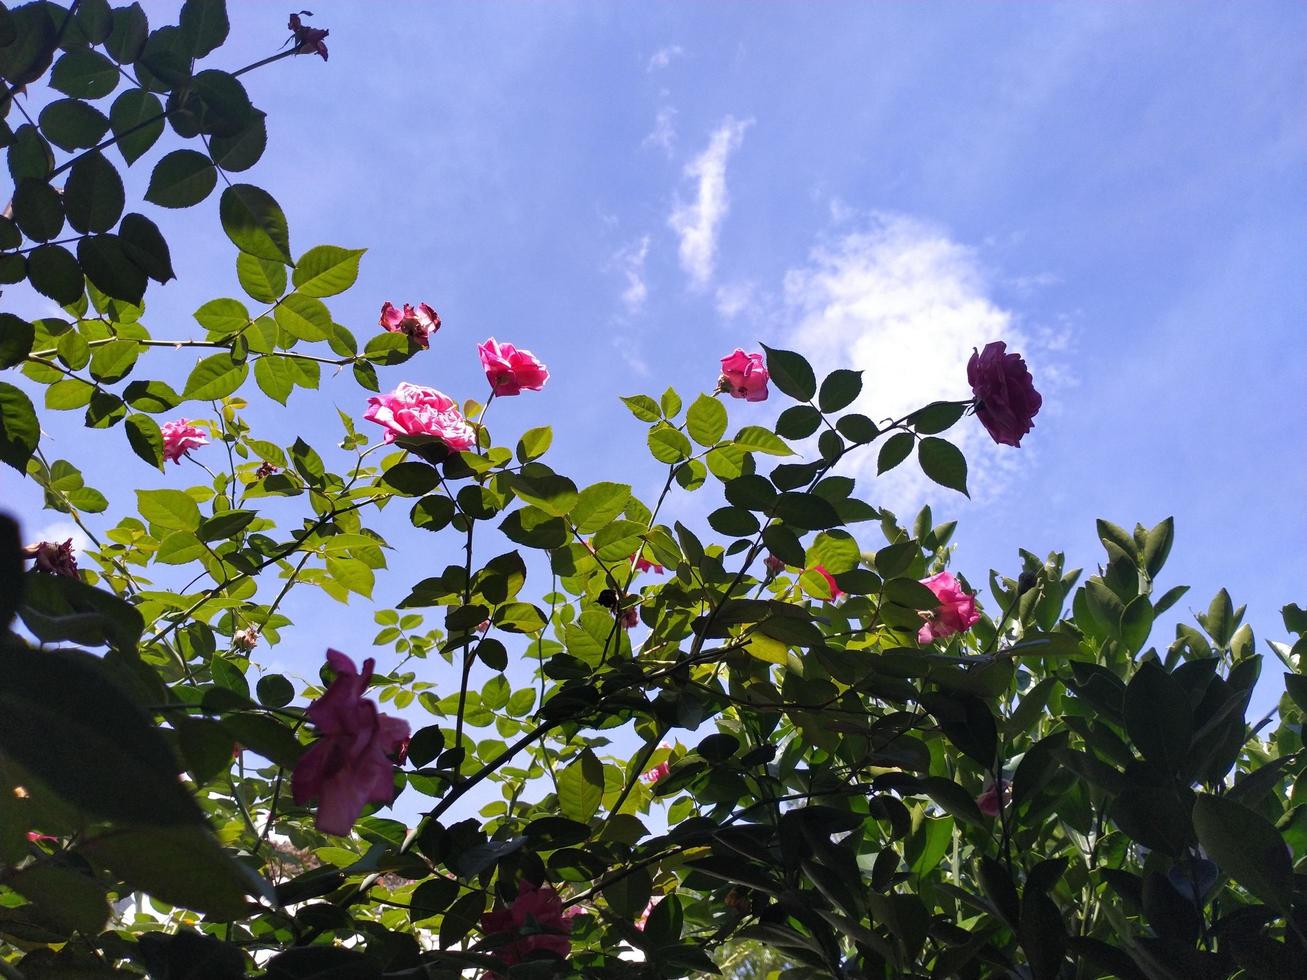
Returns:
<point x="936" y="417"/>
<point x="181" y="179"/>
<point x="894" y="451"/>
<point x="581" y="787"/>
<point x="136" y="118"/>
<point x="19" y="430"/>
<point x="204" y="25"/>
<point x="84" y="74"/>
<point x="145" y="438"/>
<point x="255" y="223"/>
<point x="38" y="209"/>
<point x="54" y="272"/>
<point x="29" y="156"/>
<point x="16" y="338"/>
<point x="839" y="389"/>
<point x="127" y="38"/>
<point x="107" y="266"/>
<point x="27" y="57"/>
<point x="791" y="373"/>
<point x="1246" y="847"/>
<point x="164" y="59"/>
<point x="65" y="719"/>
<point x="224" y="106"/>
<point x="151" y="396"/>
<point x="72" y="124"/>
<point x="241" y="150"/>
<point x="93" y="195"/>
<point x="944" y="463"/>
<point x="145" y="246"/>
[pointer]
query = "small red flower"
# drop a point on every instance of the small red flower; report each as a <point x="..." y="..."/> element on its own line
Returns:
<point x="53" y="559"/>
<point x="536" y="920"/>
<point x="307" y="40"/>
<point x="992" y="800"/>
<point x="643" y="564"/>
<point x="656" y="773"/>
<point x="773" y="565"/>
<point x="630" y="618"/>
<point x="264" y="471"/>
<point x="835" y="590"/>
<point x="956" y="612"/>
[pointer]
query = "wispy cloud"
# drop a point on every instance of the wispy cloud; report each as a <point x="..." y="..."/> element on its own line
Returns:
<point x="630" y="261"/>
<point x="904" y="303"/>
<point x="696" y="222"/>
<point x="663" y="57"/>
<point x="60" y="531"/>
<point x="663" y="135"/>
<point x="735" y="298"/>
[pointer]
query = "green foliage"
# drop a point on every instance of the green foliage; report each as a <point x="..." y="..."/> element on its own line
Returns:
<point x="821" y="795"/>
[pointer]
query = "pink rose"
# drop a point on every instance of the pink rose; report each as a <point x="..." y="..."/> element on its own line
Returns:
<point x="180" y="437"/>
<point x="307" y="40"/>
<point x="53" y="559"/>
<point x="511" y="371"/>
<point x="656" y="773"/>
<point x="744" y="376"/>
<point x="990" y="801"/>
<point x="956" y="612"/>
<point x="411" y="410"/>
<point x="264" y="471"/>
<point x="773" y="565"/>
<point x="645" y="565"/>
<point x="419" y="322"/>
<point x="350" y="765"/>
<point x="245" y="639"/>
<point x="538" y="911"/>
<point x="1006" y="399"/>
<point x="835" y="590"/>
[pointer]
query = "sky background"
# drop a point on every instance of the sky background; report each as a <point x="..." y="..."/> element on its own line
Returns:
<point x="632" y="190"/>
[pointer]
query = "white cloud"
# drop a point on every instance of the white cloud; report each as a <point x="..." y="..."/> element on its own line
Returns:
<point x="59" y="532"/>
<point x="630" y="260"/>
<point x="664" y="56"/>
<point x="905" y="304"/>
<point x="663" y="134"/>
<point x="735" y="298"/>
<point x="697" y="222"/>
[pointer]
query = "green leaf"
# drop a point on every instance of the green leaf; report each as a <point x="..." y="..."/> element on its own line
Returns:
<point x="327" y="270"/>
<point x="553" y="494"/>
<point x="204" y="25"/>
<point x="27" y="57"/>
<point x="839" y="390"/>
<point x="181" y="179"/>
<point x="215" y="377"/>
<point x="581" y="787"/>
<point x="54" y="272"/>
<point x="240" y="151"/>
<point x="936" y="417"/>
<point x="88" y="742"/>
<point x="151" y="396"/>
<point x="1158" y="717"/>
<point x="1136" y="623"/>
<point x="136" y="118"/>
<point x="944" y="463"/>
<point x="273" y="376"/>
<point x="223" y="316"/>
<point x="16" y="339"/>
<point x="619" y="540"/>
<point x="255" y="223"/>
<point x="127" y="38"/>
<point x="84" y="74"/>
<point x="179" y="548"/>
<point x="72" y="900"/>
<point x="262" y="280"/>
<point x="93" y="195"/>
<point x="72" y="124"/>
<point x="94" y="20"/>
<point x="182" y="866"/>
<point x="145" y="246"/>
<point x="706" y="420"/>
<point x="38" y="209"/>
<point x="668" y="445"/>
<point x="110" y="269"/>
<point x="170" y="509"/>
<point x="1245" y="846"/>
<point x="894" y="451"/>
<point x="145" y="439"/>
<point x="534" y="443"/>
<point x="756" y="439"/>
<point x="1220" y="619"/>
<point x="308" y="319"/>
<point x="223" y="104"/>
<point x="226" y="525"/>
<point x="63" y="396"/>
<point x="798" y="422"/>
<point x="29" y="156"/>
<point x="411" y="479"/>
<point x="791" y="373"/>
<point x="165" y="60"/>
<point x="643" y="407"/>
<point x="19" y="430"/>
<point x="599" y="504"/>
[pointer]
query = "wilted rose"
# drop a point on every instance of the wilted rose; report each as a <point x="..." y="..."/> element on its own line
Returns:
<point x="418" y="323"/>
<point x="52" y="558"/>
<point x="351" y="763"/>
<point x="1006" y="399"/>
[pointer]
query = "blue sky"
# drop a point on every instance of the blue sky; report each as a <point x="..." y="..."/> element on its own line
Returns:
<point x="633" y="190"/>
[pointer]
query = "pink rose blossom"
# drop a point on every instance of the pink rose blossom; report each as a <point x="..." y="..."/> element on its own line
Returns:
<point x="35" y="837"/>
<point x="52" y="558"/>
<point x="630" y="618"/>
<point x="264" y="471"/>
<point x="1006" y="399"/>
<point x="417" y="322"/>
<point x="643" y="564"/>
<point x="956" y="612"/>
<point x="835" y="590"/>
<point x="180" y="437"/>
<point x="538" y="911"/>
<point x="307" y="40"/>
<point x="773" y="565"/>
<point x="245" y="639"/>
<point x="411" y="410"/>
<point x="656" y="773"/>
<point x="744" y="376"/>
<point x="990" y="802"/>
<point x="511" y="371"/>
<point x="350" y="765"/>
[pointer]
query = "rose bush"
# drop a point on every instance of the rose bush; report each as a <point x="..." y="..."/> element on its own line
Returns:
<point x="796" y="735"/>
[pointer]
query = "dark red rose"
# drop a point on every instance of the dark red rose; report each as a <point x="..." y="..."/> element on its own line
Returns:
<point x="1006" y="399"/>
